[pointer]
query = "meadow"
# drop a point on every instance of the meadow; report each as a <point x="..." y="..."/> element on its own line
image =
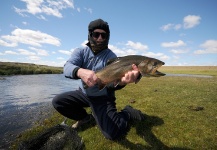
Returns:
<point x="173" y="121"/>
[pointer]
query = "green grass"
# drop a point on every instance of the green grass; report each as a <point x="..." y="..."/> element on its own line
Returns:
<point x="200" y="70"/>
<point x="170" y="123"/>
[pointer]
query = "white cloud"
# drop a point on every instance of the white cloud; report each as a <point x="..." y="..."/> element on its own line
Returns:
<point x="52" y="63"/>
<point x="89" y="10"/>
<point x="209" y="47"/>
<point x="60" y="4"/>
<point x="11" y="53"/>
<point x="179" y="43"/>
<point x="137" y="45"/>
<point x="6" y="60"/>
<point x="78" y="9"/>
<point x="60" y="58"/>
<point x="171" y="26"/>
<point x="34" y="58"/>
<point x="25" y="23"/>
<point x="7" y="44"/>
<point x="40" y="52"/>
<point x="182" y="34"/>
<point x="116" y="50"/>
<point x="136" y="50"/>
<point x="177" y="26"/>
<point x="191" y="21"/>
<point x="41" y="17"/>
<point x="84" y="43"/>
<point x="166" y="27"/>
<point x="176" y="57"/>
<point x="25" y="52"/>
<point x="160" y="56"/>
<point x="48" y="7"/>
<point x="29" y="37"/>
<point x="65" y="52"/>
<point x="179" y="51"/>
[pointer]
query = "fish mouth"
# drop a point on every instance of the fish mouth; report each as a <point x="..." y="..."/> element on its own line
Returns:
<point x="157" y="73"/>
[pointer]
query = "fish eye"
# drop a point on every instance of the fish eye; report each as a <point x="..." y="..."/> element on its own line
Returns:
<point x="155" y="63"/>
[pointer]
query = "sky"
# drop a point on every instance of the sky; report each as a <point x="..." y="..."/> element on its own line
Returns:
<point x="45" y="32"/>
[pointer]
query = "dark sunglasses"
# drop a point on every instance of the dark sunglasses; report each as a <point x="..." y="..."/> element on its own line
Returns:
<point x="97" y="34"/>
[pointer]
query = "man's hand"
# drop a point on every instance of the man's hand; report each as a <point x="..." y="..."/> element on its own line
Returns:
<point x="130" y="76"/>
<point x="88" y="76"/>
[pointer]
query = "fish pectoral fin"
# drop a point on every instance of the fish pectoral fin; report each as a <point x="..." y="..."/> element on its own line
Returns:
<point x="138" y="79"/>
<point x="101" y="85"/>
<point x="116" y="83"/>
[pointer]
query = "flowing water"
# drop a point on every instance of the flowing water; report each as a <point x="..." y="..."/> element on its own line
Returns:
<point x="25" y="99"/>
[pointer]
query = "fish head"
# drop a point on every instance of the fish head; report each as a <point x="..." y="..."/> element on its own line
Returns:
<point x="149" y="66"/>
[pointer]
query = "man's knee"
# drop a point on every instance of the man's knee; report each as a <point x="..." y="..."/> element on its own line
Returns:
<point x="56" y="101"/>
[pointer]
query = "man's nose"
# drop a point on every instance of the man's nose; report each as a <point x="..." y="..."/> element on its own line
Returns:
<point x="100" y="37"/>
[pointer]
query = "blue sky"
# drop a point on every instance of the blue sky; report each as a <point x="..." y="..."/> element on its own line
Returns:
<point x="178" y="32"/>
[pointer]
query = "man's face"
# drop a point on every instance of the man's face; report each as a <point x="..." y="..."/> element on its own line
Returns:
<point x="99" y="35"/>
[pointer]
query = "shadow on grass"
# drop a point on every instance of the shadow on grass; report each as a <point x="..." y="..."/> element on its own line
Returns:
<point x="144" y="130"/>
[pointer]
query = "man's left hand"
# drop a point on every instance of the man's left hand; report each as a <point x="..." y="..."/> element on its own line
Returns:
<point x="130" y="76"/>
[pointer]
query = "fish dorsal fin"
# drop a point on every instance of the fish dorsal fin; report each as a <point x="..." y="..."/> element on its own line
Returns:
<point x="110" y="61"/>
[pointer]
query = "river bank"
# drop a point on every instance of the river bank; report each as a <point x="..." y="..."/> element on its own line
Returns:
<point x="27" y="117"/>
<point x="15" y="68"/>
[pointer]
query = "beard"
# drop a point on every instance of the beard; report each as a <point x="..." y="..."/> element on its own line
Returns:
<point x="97" y="47"/>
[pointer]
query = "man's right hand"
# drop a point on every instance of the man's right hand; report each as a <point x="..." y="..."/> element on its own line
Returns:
<point x="88" y="76"/>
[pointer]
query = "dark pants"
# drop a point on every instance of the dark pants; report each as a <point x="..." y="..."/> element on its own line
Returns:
<point x="112" y="124"/>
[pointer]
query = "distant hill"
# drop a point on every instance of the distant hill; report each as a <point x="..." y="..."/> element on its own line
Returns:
<point x="15" y="68"/>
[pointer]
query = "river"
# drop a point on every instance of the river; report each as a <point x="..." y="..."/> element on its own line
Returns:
<point x="25" y="99"/>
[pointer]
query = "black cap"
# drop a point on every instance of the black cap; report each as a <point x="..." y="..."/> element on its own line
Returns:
<point x="98" y="24"/>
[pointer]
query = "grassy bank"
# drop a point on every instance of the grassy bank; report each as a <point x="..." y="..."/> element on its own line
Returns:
<point x="199" y="70"/>
<point x="12" y="68"/>
<point x="172" y="121"/>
